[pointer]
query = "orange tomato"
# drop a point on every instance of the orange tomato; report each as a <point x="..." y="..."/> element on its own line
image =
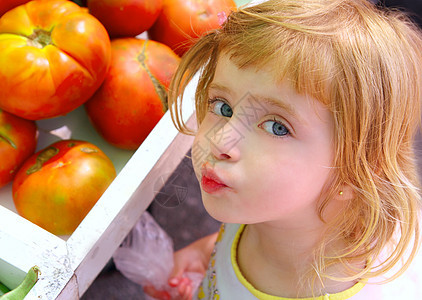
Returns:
<point x="133" y="96"/>
<point x="57" y="186"/>
<point x="53" y="56"/>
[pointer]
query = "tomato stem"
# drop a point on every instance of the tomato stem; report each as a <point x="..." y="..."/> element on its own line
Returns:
<point x="40" y="38"/>
<point x="8" y="140"/>
<point x="159" y="88"/>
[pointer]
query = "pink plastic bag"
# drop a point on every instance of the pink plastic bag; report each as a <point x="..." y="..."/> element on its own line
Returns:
<point x="146" y="256"/>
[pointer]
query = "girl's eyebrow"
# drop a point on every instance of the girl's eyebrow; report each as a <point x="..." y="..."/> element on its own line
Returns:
<point x="278" y="104"/>
<point x="269" y="101"/>
<point x="220" y="87"/>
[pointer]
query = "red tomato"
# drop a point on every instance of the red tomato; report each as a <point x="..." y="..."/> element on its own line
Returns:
<point x="6" y="5"/>
<point x="53" y="56"/>
<point x="18" y="139"/>
<point x="182" y="21"/>
<point x="57" y="186"/>
<point x="132" y="98"/>
<point x="125" y="17"/>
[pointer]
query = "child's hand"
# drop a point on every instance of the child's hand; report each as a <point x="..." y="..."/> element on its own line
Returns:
<point x="191" y="259"/>
<point x="183" y="290"/>
<point x="184" y="287"/>
<point x="185" y="260"/>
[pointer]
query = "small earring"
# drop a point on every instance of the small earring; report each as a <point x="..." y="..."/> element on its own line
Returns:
<point x="341" y="193"/>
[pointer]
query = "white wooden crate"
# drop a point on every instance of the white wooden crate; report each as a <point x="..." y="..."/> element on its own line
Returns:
<point x="70" y="264"/>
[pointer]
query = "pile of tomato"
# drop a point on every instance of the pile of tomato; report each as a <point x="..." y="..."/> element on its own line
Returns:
<point x="58" y="55"/>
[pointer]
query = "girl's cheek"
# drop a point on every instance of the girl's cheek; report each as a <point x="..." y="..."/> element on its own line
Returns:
<point x="199" y="153"/>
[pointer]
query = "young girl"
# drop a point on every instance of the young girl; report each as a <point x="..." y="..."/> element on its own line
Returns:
<point x="307" y="111"/>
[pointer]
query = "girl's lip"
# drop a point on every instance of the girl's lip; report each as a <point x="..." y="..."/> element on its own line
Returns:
<point x="210" y="182"/>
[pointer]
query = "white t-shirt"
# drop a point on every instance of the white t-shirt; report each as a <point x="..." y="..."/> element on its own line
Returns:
<point x="224" y="281"/>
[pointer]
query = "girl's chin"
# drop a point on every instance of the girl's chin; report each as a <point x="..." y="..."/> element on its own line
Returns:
<point x="224" y="216"/>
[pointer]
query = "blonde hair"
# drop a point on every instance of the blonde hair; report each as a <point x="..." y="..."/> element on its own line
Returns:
<point x="365" y="64"/>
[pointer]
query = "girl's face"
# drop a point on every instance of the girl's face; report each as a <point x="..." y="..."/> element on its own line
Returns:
<point x="263" y="152"/>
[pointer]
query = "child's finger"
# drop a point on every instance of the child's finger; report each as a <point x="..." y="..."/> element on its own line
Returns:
<point x="185" y="288"/>
<point x="188" y="292"/>
<point x="174" y="281"/>
<point x="151" y="291"/>
<point x="183" y="285"/>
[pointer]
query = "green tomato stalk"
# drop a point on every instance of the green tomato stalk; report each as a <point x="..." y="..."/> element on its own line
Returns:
<point x="26" y="285"/>
<point x="3" y="289"/>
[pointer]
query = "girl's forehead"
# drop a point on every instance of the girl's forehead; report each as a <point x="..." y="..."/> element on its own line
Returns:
<point x="248" y="78"/>
<point x="227" y="60"/>
<point x="279" y="71"/>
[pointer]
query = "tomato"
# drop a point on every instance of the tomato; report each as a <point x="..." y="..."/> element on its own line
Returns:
<point x="125" y="18"/>
<point x="6" y="5"/>
<point x="181" y="21"/>
<point x="18" y="139"/>
<point x="57" y="186"/>
<point x="53" y="56"/>
<point x="133" y="96"/>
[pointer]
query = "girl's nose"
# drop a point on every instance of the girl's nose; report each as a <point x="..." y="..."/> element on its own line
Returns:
<point x="225" y="141"/>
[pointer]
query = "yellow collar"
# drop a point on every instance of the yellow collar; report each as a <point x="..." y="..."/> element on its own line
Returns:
<point x="260" y="295"/>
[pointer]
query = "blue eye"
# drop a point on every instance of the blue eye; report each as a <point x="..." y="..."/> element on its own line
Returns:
<point x="221" y="108"/>
<point x="275" y="128"/>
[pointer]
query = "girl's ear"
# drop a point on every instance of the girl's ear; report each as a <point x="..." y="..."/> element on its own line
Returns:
<point x="345" y="192"/>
